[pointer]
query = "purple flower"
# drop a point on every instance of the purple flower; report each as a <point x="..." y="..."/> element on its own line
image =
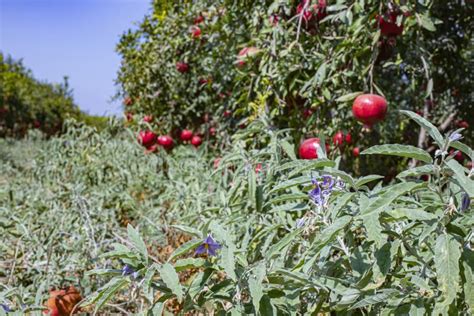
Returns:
<point x="465" y="202"/>
<point x="323" y="190"/>
<point x="455" y="136"/>
<point x="127" y="270"/>
<point x="5" y="307"/>
<point x="300" y="222"/>
<point x="209" y="246"/>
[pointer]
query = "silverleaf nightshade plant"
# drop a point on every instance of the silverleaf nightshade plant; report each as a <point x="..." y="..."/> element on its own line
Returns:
<point x="209" y="247"/>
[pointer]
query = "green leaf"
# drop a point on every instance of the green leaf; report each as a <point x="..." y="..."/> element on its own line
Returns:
<point x="170" y="277"/>
<point x="184" y="248"/>
<point x="417" y="171"/>
<point x="228" y="261"/>
<point x="289" y="149"/>
<point x="349" y="97"/>
<point x="303" y="180"/>
<point x="460" y="177"/>
<point x="282" y="243"/>
<point x="379" y="298"/>
<point x="426" y="22"/>
<point x="411" y="214"/>
<point x="321" y="74"/>
<point x="188" y="230"/>
<point x="446" y="261"/>
<point x="399" y="150"/>
<point x="255" y="285"/>
<point x="187" y="263"/>
<point x="430" y="128"/>
<point x="468" y="271"/>
<point x="137" y="241"/>
<point x="364" y="180"/>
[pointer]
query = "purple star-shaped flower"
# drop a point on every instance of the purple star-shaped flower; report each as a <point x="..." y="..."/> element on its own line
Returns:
<point x="455" y="136"/>
<point x="5" y="308"/>
<point x="209" y="246"/>
<point x="127" y="270"/>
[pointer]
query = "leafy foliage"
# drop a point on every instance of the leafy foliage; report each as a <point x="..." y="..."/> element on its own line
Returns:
<point x="135" y="221"/>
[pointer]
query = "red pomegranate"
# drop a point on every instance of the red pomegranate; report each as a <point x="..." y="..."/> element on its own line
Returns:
<point x="274" y="18"/>
<point x="186" y="135"/>
<point x="199" y="19"/>
<point x="309" y="148"/>
<point x="147" y="138"/>
<point x="166" y="141"/>
<point x="148" y="118"/>
<point x="462" y="124"/>
<point x="348" y="138"/>
<point x="195" y="31"/>
<point x="196" y="141"/>
<point x="458" y="156"/>
<point x="227" y="113"/>
<point x="182" y="67"/>
<point x="338" y="139"/>
<point x="129" y="116"/>
<point x="36" y="124"/>
<point x="258" y="168"/>
<point x="356" y="152"/>
<point x="63" y="302"/>
<point x="212" y="131"/>
<point x="369" y="108"/>
<point x="388" y="25"/>
<point x="307" y="113"/>
<point x="244" y="54"/>
<point x="317" y="10"/>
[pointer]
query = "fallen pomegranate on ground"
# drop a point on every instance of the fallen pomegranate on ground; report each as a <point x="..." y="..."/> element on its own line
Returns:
<point x="63" y="302"/>
<point x="196" y="141"/>
<point x="147" y="138"/>
<point x="369" y="108"/>
<point x="182" y="67"/>
<point x="186" y="135"/>
<point x="309" y="148"/>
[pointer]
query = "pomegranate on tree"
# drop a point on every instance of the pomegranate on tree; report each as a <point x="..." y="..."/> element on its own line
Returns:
<point x="147" y="138"/>
<point x="166" y="141"/>
<point x="129" y="116"/>
<point x="388" y="24"/>
<point x="182" y="67"/>
<point x="147" y="118"/>
<point x="338" y="139"/>
<point x="244" y="54"/>
<point x="195" y="31"/>
<point x="309" y="148"/>
<point x="356" y="152"/>
<point x="199" y="19"/>
<point x="369" y="108"/>
<point x="227" y="113"/>
<point x="128" y="101"/>
<point x="196" y="141"/>
<point x="348" y="138"/>
<point x="310" y="12"/>
<point x="186" y="135"/>
<point x="212" y="131"/>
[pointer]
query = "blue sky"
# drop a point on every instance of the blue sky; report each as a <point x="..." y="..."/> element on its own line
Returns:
<point x="76" y="38"/>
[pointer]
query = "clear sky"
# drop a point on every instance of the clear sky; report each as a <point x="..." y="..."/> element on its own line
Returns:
<point x="76" y="38"/>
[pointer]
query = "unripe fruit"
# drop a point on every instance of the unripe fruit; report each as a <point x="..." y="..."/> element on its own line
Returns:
<point x="147" y="138"/>
<point x="338" y="139"/>
<point x="369" y="108"/>
<point x="165" y="141"/>
<point x="186" y="135"/>
<point x="356" y="152"/>
<point x="195" y="31"/>
<point x="196" y="141"/>
<point x="309" y="148"/>
<point x="182" y="67"/>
